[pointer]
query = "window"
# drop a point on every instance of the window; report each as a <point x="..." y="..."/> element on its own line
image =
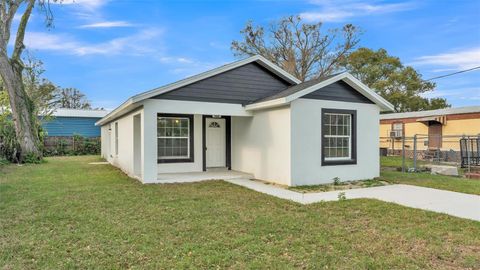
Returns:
<point x="175" y="138"/>
<point x="397" y="130"/>
<point x="116" y="138"/>
<point x="338" y="137"/>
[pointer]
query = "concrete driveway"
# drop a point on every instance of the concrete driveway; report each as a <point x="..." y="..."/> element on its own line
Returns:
<point x="441" y="201"/>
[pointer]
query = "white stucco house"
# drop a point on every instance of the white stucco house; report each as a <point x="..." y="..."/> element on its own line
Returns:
<point x="249" y="116"/>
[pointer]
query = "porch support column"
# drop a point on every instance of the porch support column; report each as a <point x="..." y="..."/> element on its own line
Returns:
<point x="150" y="165"/>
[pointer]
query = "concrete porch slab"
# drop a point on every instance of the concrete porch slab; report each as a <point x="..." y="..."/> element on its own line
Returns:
<point x="201" y="176"/>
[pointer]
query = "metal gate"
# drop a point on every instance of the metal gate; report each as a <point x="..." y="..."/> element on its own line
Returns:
<point x="470" y="151"/>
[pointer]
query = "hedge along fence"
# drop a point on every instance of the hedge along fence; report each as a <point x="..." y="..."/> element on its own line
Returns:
<point x="71" y="145"/>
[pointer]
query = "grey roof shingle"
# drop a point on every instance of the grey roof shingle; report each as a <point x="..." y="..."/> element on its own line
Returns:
<point x="296" y="88"/>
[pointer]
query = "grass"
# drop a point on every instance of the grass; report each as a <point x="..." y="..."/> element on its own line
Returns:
<point x="340" y="186"/>
<point x="396" y="161"/>
<point x="425" y="179"/>
<point x="68" y="214"/>
<point x="458" y="184"/>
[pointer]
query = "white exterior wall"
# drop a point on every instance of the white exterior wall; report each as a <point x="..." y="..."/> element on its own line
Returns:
<point x="307" y="166"/>
<point x="124" y="159"/>
<point x="261" y="145"/>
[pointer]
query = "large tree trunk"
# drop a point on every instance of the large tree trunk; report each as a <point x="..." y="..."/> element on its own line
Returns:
<point x="22" y="108"/>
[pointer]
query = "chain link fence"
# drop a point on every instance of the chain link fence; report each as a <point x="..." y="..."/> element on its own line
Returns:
<point x="422" y="150"/>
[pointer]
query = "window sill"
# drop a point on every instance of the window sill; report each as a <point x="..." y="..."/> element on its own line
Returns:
<point x="339" y="162"/>
<point x="175" y="160"/>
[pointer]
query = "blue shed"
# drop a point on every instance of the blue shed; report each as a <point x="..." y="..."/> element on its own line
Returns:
<point x="69" y="122"/>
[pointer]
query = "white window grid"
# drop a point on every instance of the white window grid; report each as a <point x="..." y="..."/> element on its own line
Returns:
<point x="172" y="137"/>
<point x="344" y="127"/>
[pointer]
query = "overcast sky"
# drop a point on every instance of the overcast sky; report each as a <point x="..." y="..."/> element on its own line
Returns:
<point x="111" y="50"/>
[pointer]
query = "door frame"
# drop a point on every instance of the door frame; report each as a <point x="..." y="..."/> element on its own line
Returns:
<point x="228" y="141"/>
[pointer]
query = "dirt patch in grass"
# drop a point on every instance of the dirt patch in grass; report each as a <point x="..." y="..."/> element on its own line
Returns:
<point x="340" y="186"/>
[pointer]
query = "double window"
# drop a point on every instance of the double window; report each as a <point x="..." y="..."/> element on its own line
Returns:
<point x="338" y="137"/>
<point x="175" y="138"/>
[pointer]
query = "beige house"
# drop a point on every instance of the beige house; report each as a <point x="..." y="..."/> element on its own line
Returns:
<point x="436" y="129"/>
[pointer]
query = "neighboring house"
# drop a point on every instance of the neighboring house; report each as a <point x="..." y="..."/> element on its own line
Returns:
<point x="69" y="122"/>
<point x="249" y="116"/>
<point x="436" y="129"/>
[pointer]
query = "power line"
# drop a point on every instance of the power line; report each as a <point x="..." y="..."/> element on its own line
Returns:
<point x="454" y="73"/>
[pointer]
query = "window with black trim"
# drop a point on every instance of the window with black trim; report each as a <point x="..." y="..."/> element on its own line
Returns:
<point x="338" y="137"/>
<point x="175" y="138"/>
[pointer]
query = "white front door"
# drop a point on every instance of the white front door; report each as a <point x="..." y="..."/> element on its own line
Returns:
<point x="215" y="142"/>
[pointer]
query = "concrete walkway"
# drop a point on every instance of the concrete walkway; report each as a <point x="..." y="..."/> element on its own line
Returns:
<point x="441" y="201"/>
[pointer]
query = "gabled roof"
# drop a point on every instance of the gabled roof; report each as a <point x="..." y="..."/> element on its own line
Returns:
<point x="294" y="92"/>
<point x="439" y="112"/>
<point x="130" y="103"/>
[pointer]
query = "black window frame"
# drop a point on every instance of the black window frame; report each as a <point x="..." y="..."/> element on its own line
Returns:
<point x="191" y="139"/>
<point x="353" y="150"/>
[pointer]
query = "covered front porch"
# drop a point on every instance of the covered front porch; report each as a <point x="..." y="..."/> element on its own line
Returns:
<point x="210" y="174"/>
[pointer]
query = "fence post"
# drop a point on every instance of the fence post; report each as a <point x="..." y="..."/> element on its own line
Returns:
<point x="403" y="153"/>
<point x="415" y="152"/>
<point x="468" y="154"/>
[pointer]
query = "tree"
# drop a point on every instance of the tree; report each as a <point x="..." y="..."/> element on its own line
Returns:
<point x="399" y="84"/>
<point x="40" y="90"/>
<point x="301" y="49"/>
<point x="11" y="67"/>
<point x="72" y="98"/>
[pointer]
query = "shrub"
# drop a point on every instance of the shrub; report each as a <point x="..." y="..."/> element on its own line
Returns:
<point x="336" y="181"/>
<point x="9" y="148"/>
<point x="79" y="145"/>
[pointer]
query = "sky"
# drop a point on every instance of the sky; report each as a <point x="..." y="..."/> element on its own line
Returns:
<point x="111" y="50"/>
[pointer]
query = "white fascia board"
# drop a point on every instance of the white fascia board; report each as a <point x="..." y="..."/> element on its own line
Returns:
<point x="114" y="113"/>
<point x="266" y="104"/>
<point x="369" y="93"/>
<point x="276" y="69"/>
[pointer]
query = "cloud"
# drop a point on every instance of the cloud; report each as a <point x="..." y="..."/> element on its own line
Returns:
<point x="456" y="94"/>
<point x="458" y="60"/>
<point x="335" y="11"/>
<point x="107" y="24"/>
<point x="87" y="4"/>
<point x="136" y="44"/>
<point x="171" y="60"/>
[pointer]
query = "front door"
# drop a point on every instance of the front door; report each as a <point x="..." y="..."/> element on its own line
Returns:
<point x="434" y="135"/>
<point x="215" y="142"/>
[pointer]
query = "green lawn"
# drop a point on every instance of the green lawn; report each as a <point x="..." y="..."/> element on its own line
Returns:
<point x="458" y="184"/>
<point x="396" y="161"/>
<point x="68" y="214"/>
<point x="425" y="179"/>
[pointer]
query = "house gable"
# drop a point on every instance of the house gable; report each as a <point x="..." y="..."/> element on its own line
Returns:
<point x="241" y="85"/>
<point x="338" y="91"/>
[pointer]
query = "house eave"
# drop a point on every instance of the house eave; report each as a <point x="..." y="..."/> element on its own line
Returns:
<point x="115" y="113"/>
<point x="348" y="78"/>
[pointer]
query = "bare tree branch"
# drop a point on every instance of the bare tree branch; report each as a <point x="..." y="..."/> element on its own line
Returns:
<point x="299" y="48"/>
